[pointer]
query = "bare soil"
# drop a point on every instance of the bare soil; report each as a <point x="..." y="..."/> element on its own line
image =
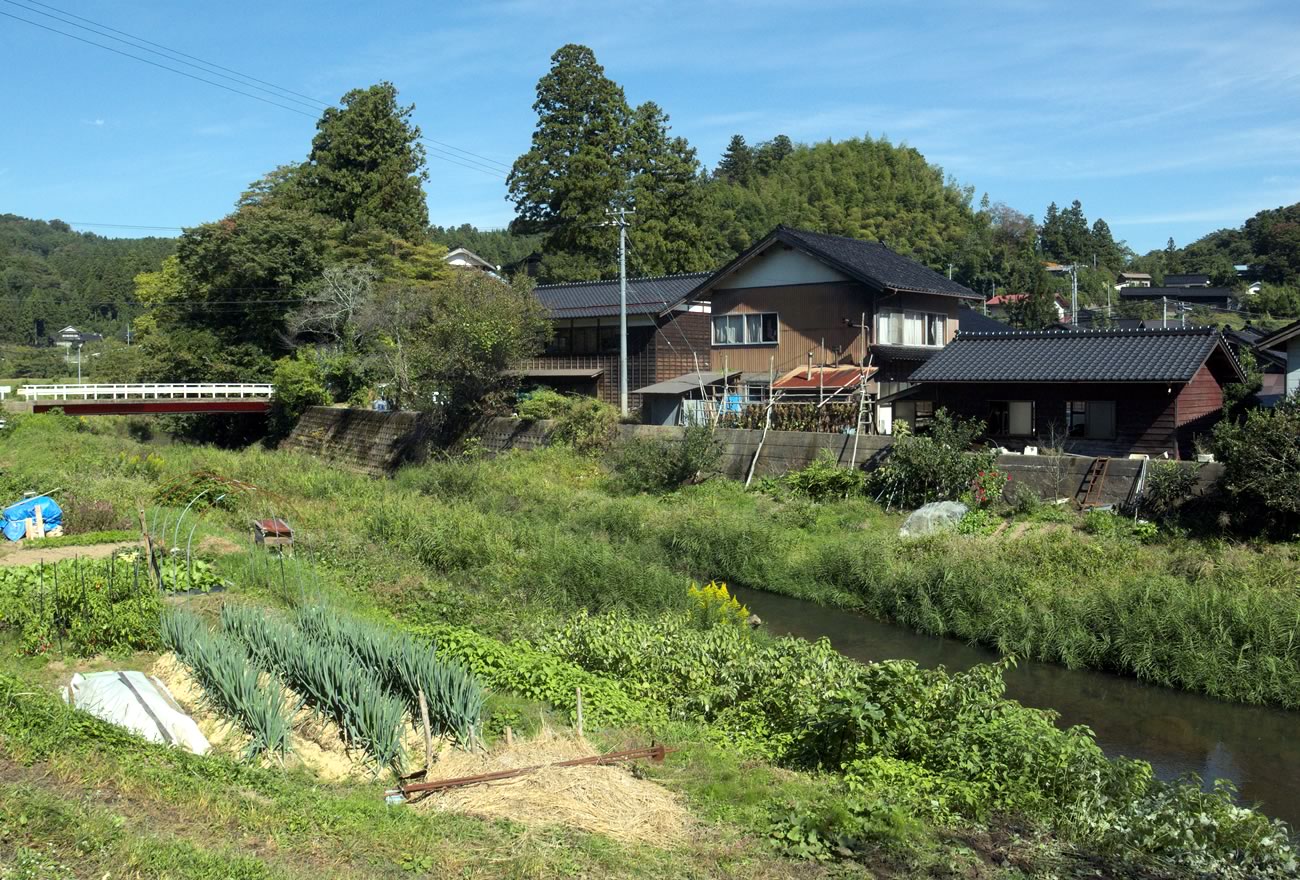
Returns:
<point x="17" y="554"/>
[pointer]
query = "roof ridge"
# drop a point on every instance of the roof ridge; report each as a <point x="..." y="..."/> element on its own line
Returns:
<point x="615" y="280"/>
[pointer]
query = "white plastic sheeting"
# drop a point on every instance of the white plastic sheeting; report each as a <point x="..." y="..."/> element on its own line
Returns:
<point x="140" y="703"/>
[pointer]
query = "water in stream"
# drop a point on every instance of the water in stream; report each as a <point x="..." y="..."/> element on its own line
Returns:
<point x="1257" y="748"/>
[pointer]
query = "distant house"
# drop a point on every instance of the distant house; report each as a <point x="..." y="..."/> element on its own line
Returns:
<point x="668" y="333"/>
<point x="972" y="321"/>
<point x="71" y="337"/>
<point x="1271" y="361"/>
<point x="1217" y="297"/>
<point x="811" y="304"/>
<point x="463" y="258"/>
<point x="1098" y="392"/>
<point x="1193" y="280"/>
<point x="1132" y="279"/>
<point x="1285" y="340"/>
<point x="998" y="306"/>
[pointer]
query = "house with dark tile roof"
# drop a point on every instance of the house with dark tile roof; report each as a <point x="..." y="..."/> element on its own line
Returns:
<point x="1217" y="297"/>
<point x="1094" y="392"/>
<point x="801" y="300"/>
<point x="1283" y="343"/>
<point x="667" y="327"/>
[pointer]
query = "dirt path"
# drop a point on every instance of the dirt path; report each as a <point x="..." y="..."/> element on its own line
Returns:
<point x="16" y="554"/>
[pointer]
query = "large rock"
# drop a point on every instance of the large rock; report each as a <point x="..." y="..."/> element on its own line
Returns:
<point x="937" y="516"/>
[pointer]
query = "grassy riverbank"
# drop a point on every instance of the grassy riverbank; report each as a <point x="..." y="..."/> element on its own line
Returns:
<point x="541" y="576"/>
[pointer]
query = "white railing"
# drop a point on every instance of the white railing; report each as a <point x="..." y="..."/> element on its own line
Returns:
<point x="154" y="391"/>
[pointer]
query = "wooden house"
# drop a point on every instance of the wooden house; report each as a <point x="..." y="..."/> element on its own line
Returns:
<point x="667" y="329"/>
<point x="817" y="302"/>
<point x="1093" y="392"/>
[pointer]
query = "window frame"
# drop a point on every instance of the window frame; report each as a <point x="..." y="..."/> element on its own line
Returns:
<point x="887" y="319"/>
<point x="996" y="430"/>
<point x="746" y="319"/>
<point x="1080" y="425"/>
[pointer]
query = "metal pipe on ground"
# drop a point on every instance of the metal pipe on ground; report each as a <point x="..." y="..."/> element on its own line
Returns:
<point x="655" y="753"/>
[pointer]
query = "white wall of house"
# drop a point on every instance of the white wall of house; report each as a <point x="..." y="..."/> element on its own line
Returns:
<point x="779" y="267"/>
<point x="1293" y="366"/>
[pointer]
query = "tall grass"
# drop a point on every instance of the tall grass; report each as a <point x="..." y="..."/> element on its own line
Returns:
<point x="237" y="688"/>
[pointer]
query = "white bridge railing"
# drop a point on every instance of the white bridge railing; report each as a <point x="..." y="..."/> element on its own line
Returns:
<point x="154" y="391"/>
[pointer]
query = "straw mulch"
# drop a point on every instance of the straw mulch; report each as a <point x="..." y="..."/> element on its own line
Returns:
<point x="606" y="800"/>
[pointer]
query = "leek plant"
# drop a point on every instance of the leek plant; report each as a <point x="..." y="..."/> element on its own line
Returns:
<point x="329" y="679"/>
<point x="406" y="666"/>
<point x="238" y="689"/>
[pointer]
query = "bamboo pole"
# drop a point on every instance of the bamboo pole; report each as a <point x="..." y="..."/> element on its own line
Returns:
<point x="428" y="734"/>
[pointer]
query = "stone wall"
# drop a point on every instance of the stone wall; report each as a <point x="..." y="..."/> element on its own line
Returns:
<point x="374" y="443"/>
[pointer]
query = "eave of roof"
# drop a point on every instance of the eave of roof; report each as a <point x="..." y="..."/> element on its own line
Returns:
<point x="1279" y="336"/>
<point x="648" y="295"/>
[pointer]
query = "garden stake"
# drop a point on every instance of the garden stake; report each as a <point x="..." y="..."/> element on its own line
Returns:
<point x="579" y="711"/>
<point x="428" y="736"/>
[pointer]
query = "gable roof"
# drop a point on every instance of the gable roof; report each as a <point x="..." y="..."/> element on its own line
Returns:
<point x="1279" y="337"/>
<point x="599" y="299"/>
<point x="468" y="258"/>
<point x="869" y="262"/>
<point x="1075" y="356"/>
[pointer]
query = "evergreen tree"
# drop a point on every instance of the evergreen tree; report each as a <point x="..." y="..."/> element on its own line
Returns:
<point x="1104" y="247"/>
<point x="769" y="155"/>
<point x="1051" y="235"/>
<point x="1077" y="240"/>
<point x="669" y="233"/>
<point x="737" y="163"/>
<point x="367" y="165"/>
<point x="575" y="169"/>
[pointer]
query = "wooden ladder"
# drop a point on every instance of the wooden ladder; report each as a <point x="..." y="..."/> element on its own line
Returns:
<point x="1093" y="481"/>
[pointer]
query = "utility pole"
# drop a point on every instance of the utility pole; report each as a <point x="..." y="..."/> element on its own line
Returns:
<point x="1164" y="312"/>
<point x="1074" y="294"/>
<point x="78" y="363"/>
<point x="621" y="223"/>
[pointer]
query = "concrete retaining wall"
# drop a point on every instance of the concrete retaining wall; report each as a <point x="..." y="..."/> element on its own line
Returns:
<point x="378" y="443"/>
<point x="374" y="443"/>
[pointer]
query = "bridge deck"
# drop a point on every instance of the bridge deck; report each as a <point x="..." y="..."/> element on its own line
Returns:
<point x="157" y="397"/>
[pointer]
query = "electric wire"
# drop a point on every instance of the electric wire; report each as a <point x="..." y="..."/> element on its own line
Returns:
<point x="436" y="148"/>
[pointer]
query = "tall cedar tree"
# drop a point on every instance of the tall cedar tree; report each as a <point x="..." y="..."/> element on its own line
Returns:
<point x="367" y="165"/>
<point x="575" y="169"/>
<point x="737" y="163"/>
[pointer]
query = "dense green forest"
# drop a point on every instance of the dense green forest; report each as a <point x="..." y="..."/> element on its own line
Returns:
<point x="59" y="277"/>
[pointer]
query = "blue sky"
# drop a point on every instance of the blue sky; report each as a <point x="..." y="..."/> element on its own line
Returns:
<point x="1166" y="118"/>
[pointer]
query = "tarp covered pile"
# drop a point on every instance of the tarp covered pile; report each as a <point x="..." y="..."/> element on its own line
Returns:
<point x="13" y="519"/>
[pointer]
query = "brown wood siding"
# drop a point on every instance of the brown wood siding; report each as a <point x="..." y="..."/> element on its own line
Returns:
<point x="1200" y="397"/>
<point x="651" y="358"/>
<point x="824" y="319"/>
<point x="1144" y="413"/>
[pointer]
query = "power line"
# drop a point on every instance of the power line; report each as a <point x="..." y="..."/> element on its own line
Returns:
<point x="436" y="148"/>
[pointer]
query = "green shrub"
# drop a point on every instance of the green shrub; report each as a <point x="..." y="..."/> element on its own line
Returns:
<point x="1023" y="499"/>
<point x="299" y="384"/>
<point x="1169" y="485"/>
<point x="655" y="465"/>
<point x="542" y="405"/>
<point x="587" y="424"/>
<point x="938" y="466"/>
<point x="1261" y="462"/>
<point x="825" y="480"/>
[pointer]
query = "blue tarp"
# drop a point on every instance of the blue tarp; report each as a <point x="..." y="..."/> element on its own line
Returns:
<point x="13" y="516"/>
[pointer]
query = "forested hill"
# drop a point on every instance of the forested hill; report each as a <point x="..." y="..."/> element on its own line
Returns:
<point x="52" y="273"/>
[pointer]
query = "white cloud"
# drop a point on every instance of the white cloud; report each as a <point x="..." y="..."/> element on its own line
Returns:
<point x="97" y="123"/>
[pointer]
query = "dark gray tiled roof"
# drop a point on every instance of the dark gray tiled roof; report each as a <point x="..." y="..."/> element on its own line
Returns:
<point x="1183" y="294"/>
<point x="1194" y="279"/>
<point x="1072" y="356"/>
<point x="872" y="263"/>
<point x="599" y="299"/>
<point x="971" y="321"/>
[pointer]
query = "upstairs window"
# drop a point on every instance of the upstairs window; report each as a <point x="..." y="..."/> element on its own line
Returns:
<point x="928" y="329"/>
<point x="745" y="329"/>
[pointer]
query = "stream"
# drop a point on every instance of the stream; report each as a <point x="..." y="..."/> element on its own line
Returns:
<point x="1257" y="748"/>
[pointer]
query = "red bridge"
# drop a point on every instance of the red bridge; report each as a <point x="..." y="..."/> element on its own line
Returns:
<point x="101" y="400"/>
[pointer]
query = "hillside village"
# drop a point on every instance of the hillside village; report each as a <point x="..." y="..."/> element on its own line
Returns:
<point x="802" y="516"/>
